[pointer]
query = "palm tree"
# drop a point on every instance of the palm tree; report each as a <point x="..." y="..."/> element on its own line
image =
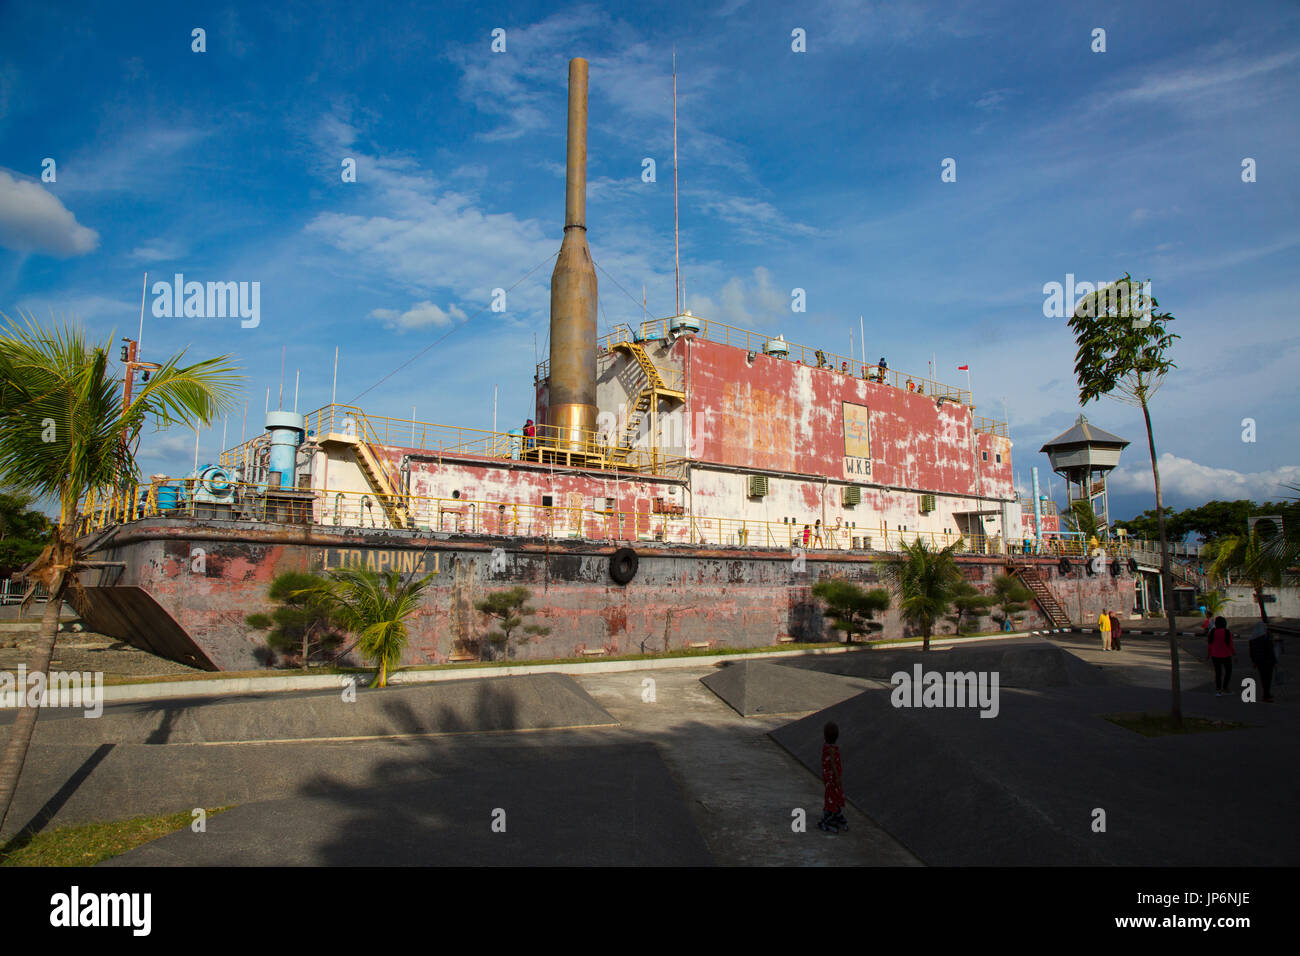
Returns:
<point x="926" y="582"/>
<point x="63" y="433"/>
<point x="1081" y="518"/>
<point x="1122" y="352"/>
<point x="1250" y="558"/>
<point x="375" y="608"/>
<point x="1214" y="602"/>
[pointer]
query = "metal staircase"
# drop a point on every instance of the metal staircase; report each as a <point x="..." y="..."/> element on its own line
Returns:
<point x="654" y="388"/>
<point x="1051" y="608"/>
<point x="380" y="472"/>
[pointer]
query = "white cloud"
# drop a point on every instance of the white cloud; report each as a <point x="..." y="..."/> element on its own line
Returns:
<point x="992" y="100"/>
<point x="136" y="162"/>
<point x="34" y="220"/>
<point x="743" y="304"/>
<point x="158" y="250"/>
<point x="418" y="316"/>
<point x="754" y="220"/>
<point x="1163" y="82"/>
<point x="1184" y="479"/>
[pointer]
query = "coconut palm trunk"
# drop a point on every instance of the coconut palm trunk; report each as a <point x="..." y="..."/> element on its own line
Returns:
<point x="20" y="732"/>
<point x="65" y="430"/>
<point x="1166" y="583"/>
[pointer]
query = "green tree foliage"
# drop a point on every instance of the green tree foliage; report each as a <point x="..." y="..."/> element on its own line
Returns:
<point x="1122" y="351"/>
<point x="925" y="581"/>
<point x="1212" y="520"/>
<point x="376" y="609"/>
<point x="1010" y="597"/>
<point x="1259" y="560"/>
<point x="24" y="532"/>
<point x="969" y="605"/>
<point x="851" y="607"/>
<point x="1213" y="601"/>
<point x="1082" y="519"/>
<point x="300" y="626"/>
<point x="64" y="432"/>
<point x="1145" y="526"/>
<point x="509" y="608"/>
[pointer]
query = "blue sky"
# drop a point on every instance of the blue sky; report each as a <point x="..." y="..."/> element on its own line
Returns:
<point x="817" y="170"/>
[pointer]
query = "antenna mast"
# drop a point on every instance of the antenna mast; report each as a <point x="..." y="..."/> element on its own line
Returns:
<point x="677" y="252"/>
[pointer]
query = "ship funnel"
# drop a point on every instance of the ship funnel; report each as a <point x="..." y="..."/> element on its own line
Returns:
<point x="571" y="409"/>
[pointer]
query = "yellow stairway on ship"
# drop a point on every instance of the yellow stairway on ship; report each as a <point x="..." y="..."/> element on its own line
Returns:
<point x="654" y="387"/>
<point x="383" y="478"/>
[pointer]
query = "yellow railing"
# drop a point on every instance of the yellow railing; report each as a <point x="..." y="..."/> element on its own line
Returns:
<point x="669" y="378"/>
<point x="515" y="519"/>
<point x="550" y="444"/>
<point x="990" y="426"/>
<point x="757" y="342"/>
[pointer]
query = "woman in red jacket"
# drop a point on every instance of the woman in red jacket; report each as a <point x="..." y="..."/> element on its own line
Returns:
<point x="1222" y="653"/>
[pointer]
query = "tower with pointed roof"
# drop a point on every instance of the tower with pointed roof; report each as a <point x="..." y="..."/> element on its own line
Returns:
<point x="1084" y="455"/>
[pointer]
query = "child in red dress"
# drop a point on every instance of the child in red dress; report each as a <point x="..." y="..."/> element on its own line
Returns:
<point x="832" y="820"/>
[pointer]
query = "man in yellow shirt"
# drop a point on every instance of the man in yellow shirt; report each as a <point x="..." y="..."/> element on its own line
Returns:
<point x="1103" y="622"/>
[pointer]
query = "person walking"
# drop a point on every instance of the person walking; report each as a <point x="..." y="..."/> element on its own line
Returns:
<point x="1114" y="631"/>
<point x="818" y="540"/>
<point x="1221" y="654"/>
<point x="807" y="533"/>
<point x="1264" y="658"/>
<point x="832" y="820"/>
<point x="1103" y="622"/>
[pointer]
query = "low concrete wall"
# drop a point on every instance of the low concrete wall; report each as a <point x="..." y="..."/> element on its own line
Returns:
<point x="204" y="577"/>
<point x="1241" y="602"/>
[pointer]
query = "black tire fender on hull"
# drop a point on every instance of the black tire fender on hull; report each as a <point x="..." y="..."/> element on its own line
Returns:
<point x="623" y="565"/>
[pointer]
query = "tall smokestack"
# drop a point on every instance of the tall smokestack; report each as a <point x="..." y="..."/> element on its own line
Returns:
<point x="572" y="405"/>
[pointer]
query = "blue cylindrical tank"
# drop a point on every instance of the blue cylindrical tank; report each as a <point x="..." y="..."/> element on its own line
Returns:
<point x="286" y="430"/>
<point x="516" y="442"/>
<point x="167" y="497"/>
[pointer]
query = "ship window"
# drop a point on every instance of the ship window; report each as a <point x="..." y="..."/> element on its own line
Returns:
<point x="546" y="501"/>
<point x="984" y="455"/>
<point x="999" y="459"/>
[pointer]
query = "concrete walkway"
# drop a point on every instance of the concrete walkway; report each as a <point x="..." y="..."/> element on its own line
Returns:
<point x="682" y="780"/>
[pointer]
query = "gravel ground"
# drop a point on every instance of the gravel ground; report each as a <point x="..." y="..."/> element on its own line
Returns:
<point x="89" y="652"/>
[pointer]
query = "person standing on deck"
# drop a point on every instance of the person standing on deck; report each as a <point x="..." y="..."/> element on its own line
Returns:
<point x="530" y="434"/>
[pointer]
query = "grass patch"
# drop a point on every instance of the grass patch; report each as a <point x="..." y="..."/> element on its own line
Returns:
<point x="89" y="843"/>
<point x="1162" y="724"/>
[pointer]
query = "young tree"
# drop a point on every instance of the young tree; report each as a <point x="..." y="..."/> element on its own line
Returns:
<point x="64" y="432"/>
<point x="302" y="622"/>
<point x="509" y="608"/>
<point x="969" y="604"/>
<point x="375" y="607"/>
<point x="851" y="607"/>
<point x="1010" y="597"/>
<point x="924" y="580"/>
<point x="1122" y="351"/>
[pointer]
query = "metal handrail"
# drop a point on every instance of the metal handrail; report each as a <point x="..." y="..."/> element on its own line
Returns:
<point x="724" y="334"/>
<point x="338" y="508"/>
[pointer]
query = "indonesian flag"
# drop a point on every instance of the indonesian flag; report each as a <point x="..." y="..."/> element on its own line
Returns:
<point x="963" y="368"/>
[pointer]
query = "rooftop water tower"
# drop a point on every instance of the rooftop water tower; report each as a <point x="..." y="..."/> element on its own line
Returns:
<point x="1084" y="455"/>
